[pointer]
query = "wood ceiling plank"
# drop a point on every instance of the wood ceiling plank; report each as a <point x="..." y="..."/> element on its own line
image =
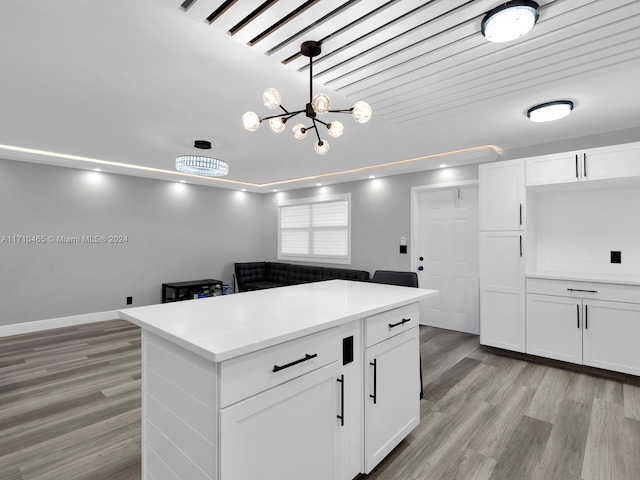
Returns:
<point x="355" y="14"/>
<point x="434" y="21"/>
<point x="448" y="63"/>
<point x="333" y="46"/>
<point x="608" y="58"/>
<point x="535" y="64"/>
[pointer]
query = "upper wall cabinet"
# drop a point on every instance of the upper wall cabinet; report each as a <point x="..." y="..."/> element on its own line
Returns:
<point x="502" y="196"/>
<point x="617" y="161"/>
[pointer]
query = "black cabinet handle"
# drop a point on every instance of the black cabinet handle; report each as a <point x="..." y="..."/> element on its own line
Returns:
<point x="586" y="317"/>
<point x="277" y="368"/>
<point x="520" y="245"/>
<point x="584" y="165"/>
<point x="375" y="387"/>
<point x="577" y="165"/>
<point x="578" y="314"/>
<point x="404" y="320"/>
<point x="580" y="290"/>
<point x="341" y="416"/>
<point x="520" y="214"/>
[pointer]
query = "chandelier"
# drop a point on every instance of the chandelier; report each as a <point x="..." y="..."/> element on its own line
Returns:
<point x="200" y="165"/>
<point x="318" y="105"/>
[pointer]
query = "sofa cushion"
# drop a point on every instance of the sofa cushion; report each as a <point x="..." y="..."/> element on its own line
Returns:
<point x="304" y="274"/>
<point x="278" y="272"/>
<point x="249" y="272"/>
<point x="248" y="287"/>
<point x="345" y="274"/>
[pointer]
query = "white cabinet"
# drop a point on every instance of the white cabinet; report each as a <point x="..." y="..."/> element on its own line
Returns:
<point x="502" y="196"/>
<point x="554" y="327"/>
<point x="300" y="418"/>
<point x="612" y="336"/>
<point x="617" y="161"/>
<point x="392" y="391"/>
<point x="502" y="290"/>
<point x="570" y="321"/>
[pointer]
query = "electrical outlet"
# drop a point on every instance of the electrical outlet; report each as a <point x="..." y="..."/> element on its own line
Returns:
<point x="616" y="257"/>
<point x="129" y="300"/>
<point x="403" y="249"/>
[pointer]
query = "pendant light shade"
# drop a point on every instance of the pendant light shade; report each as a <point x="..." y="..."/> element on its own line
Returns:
<point x="203" y="166"/>
<point x="548" y="112"/>
<point x="510" y="21"/>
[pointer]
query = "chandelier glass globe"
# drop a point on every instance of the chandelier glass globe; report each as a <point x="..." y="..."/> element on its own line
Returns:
<point x="251" y="121"/>
<point x="271" y="98"/>
<point x="299" y="132"/>
<point x="321" y="147"/>
<point x="335" y="129"/>
<point x="321" y="104"/>
<point x="362" y="112"/>
<point x="277" y="124"/>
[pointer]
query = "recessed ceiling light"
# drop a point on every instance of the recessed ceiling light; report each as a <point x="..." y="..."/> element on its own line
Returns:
<point x="372" y="176"/>
<point x="547" y="112"/>
<point x="182" y="181"/>
<point x="318" y="184"/>
<point x="510" y="21"/>
<point x="443" y="165"/>
<point x="275" y="189"/>
<point x="97" y="169"/>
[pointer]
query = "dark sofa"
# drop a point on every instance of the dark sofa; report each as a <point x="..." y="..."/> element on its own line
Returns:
<point x="260" y="275"/>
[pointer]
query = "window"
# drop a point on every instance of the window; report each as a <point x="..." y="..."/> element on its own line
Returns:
<point x="316" y="229"/>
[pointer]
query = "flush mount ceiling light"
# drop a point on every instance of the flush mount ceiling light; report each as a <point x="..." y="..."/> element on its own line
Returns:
<point x="547" y="112"/>
<point x="510" y="20"/>
<point x="203" y="166"/>
<point x="318" y="105"/>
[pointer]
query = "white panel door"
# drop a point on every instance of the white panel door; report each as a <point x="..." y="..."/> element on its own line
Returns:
<point x="554" y="327"/>
<point x="557" y="168"/>
<point x="286" y="433"/>
<point x="612" y="336"/>
<point x="502" y="297"/>
<point x="616" y="161"/>
<point x="448" y="245"/>
<point x="392" y="395"/>
<point x="502" y="196"/>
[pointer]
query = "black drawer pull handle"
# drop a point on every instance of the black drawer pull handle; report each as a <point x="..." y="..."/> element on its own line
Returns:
<point x="576" y="165"/>
<point x="375" y="374"/>
<point x="578" y="314"/>
<point x="404" y="320"/>
<point x="586" y="317"/>
<point x="277" y="368"/>
<point x="341" y="416"/>
<point x="579" y="290"/>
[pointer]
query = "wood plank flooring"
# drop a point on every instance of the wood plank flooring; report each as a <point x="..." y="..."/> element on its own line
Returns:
<point x="70" y="409"/>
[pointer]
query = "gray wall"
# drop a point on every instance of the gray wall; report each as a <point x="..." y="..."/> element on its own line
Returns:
<point x="380" y="215"/>
<point x="175" y="232"/>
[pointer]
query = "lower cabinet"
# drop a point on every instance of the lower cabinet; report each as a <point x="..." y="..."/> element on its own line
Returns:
<point x="579" y="328"/>
<point x="392" y="391"/>
<point x="287" y="433"/>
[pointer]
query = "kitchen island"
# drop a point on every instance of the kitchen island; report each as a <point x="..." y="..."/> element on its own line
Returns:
<point x="315" y="381"/>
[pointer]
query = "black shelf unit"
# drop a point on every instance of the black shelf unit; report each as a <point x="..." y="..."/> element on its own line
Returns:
<point x="179" y="291"/>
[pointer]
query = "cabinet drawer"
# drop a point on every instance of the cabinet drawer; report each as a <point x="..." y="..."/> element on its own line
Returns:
<point x="388" y="324"/>
<point x="250" y="374"/>
<point x="588" y="290"/>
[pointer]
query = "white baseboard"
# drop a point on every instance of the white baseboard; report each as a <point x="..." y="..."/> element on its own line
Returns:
<point x="39" y="325"/>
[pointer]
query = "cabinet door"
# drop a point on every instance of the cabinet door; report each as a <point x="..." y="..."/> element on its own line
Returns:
<point x="392" y="394"/>
<point x="556" y="168"/>
<point x="554" y="327"/>
<point x="612" y="336"/>
<point x="502" y="196"/>
<point x="286" y="433"/>
<point x="502" y="297"/>
<point x="616" y="161"/>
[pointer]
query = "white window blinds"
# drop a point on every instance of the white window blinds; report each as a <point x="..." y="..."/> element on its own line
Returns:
<point x="315" y="229"/>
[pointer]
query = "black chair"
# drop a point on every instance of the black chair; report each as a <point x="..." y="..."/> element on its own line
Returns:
<point x="403" y="279"/>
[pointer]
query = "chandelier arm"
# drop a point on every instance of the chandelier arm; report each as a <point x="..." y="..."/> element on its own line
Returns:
<point x="317" y="132"/>
<point x="290" y="115"/>
<point x="310" y="79"/>
<point x="285" y="110"/>
<point x="323" y="123"/>
<point x="345" y="110"/>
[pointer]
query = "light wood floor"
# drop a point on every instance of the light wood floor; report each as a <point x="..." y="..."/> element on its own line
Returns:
<point x="70" y="410"/>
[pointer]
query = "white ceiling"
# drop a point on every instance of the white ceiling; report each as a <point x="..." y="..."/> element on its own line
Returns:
<point x="134" y="83"/>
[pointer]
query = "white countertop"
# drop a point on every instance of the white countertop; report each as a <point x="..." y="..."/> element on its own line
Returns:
<point x="223" y="327"/>
<point x="588" y="277"/>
